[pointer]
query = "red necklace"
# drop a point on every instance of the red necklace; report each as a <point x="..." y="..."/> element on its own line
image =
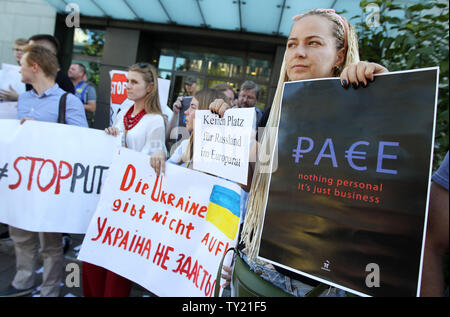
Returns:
<point x="130" y="121"/>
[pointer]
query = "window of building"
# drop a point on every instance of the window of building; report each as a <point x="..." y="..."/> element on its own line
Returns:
<point x="211" y="69"/>
<point x="226" y="66"/>
<point x="166" y="59"/>
<point x="189" y="62"/>
<point x="258" y="69"/>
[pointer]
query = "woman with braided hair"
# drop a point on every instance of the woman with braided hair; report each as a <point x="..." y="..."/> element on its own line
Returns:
<point x="321" y="44"/>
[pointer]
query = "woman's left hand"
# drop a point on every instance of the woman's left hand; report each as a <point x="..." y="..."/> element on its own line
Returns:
<point x="360" y="72"/>
<point x="158" y="162"/>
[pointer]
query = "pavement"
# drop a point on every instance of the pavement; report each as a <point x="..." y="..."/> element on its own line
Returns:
<point x="69" y="287"/>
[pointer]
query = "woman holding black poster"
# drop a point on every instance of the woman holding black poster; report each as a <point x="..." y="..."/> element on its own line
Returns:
<point x="321" y="44"/>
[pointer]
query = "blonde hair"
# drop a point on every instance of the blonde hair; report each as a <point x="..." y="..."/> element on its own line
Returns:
<point x="258" y="196"/>
<point x="205" y="97"/>
<point x="151" y="104"/>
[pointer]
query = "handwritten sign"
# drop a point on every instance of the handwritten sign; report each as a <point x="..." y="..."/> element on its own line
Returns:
<point x="166" y="233"/>
<point x="51" y="175"/>
<point x="222" y="145"/>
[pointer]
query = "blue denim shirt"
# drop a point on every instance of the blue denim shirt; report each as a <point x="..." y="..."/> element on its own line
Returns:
<point x="441" y="175"/>
<point x="46" y="106"/>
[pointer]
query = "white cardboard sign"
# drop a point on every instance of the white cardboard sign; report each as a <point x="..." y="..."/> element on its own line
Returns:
<point x="222" y="145"/>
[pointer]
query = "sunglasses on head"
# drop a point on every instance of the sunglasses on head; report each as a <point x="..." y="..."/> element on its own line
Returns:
<point x="143" y="64"/>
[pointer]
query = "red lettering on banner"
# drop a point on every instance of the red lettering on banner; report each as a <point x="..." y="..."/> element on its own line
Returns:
<point x="140" y="244"/>
<point x="33" y="164"/>
<point x="124" y="241"/>
<point x="52" y="181"/>
<point x="117" y="205"/>
<point x="210" y="243"/>
<point x="64" y="171"/>
<point x="186" y="269"/>
<point x="147" y="248"/>
<point x="158" y="195"/>
<point x="108" y="234"/>
<point x="69" y="173"/>
<point x="155" y="199"/>
<point x="119" y="237"/>
<point x="100" y="228"/>
<point x="180" y="227"/>
<point x="180" y="263"/>
<point x="119" y="234"/>
<point x="125" y="177"/>
<point x="171" y="198"/>
<point x="18" y="173"/>
<point x="203" y="209"/>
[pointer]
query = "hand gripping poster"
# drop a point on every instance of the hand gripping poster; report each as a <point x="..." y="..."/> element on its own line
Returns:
<point x="167" y="233"/>
<point x="348" y="202"/>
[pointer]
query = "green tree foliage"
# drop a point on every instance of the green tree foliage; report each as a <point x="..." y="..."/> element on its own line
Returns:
<point x="410" y="37"/>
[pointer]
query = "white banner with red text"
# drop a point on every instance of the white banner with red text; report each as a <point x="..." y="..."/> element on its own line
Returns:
<point x="51" y="174"/>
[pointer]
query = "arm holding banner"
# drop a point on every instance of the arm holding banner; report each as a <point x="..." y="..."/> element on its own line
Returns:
<point x="112" y="131"/>
<point x="436" y="244"/>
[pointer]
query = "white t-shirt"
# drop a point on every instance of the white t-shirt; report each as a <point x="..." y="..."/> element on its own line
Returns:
<point x="147" y="136"/>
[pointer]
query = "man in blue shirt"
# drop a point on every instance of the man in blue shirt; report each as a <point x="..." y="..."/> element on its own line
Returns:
<point x="38" y="68"/>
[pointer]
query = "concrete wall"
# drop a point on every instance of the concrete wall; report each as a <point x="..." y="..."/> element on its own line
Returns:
<point x="23" y="18"/>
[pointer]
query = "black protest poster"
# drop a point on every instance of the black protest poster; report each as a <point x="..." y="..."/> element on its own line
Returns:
<point x="347" y="204"/>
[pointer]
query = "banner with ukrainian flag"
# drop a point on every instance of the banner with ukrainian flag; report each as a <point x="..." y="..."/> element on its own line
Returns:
<point x="167" y="233"/>
<point x="224" y="210"/>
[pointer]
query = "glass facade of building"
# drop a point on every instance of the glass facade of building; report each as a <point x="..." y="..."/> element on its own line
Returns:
<point x="211" y="69"/>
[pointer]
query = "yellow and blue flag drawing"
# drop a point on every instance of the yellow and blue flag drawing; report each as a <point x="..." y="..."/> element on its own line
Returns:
<point x="224" y="210"/>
